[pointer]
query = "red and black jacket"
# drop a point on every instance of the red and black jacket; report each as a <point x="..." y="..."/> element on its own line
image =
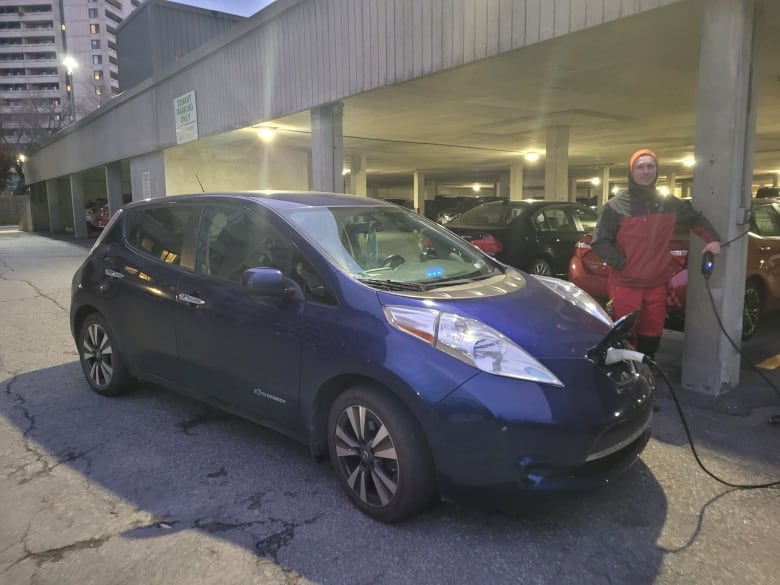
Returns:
<point x="634" y="231"/>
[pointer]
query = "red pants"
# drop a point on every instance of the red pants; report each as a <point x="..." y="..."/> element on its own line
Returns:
<point x="651" y="301"/>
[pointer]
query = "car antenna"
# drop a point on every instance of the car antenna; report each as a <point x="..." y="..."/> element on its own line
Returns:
<point x="199" y="183"/>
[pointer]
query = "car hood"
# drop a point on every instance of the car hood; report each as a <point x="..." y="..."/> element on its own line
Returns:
<point x="521" y="308"/>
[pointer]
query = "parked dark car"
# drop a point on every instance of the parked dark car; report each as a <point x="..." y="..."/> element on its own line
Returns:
<point x="417" y="363"/>
<point x="453" y="207"/>
<point x="537" y="236"/>
<point x="762" y="280"/>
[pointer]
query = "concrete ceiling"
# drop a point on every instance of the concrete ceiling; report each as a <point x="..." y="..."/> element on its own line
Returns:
<point x="618" y="87"/>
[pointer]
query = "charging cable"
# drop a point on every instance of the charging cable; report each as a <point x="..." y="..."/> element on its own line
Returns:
<point x="615" y="355"/>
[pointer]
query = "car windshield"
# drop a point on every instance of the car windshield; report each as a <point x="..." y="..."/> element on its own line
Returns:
<point x="391" y="246"/>
<point x="494" y="213"/>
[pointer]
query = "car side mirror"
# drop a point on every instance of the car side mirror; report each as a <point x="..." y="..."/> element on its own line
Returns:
<point x="265" y="282"/>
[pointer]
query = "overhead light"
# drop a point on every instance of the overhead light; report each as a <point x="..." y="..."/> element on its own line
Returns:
<point x="476" y="187"/>
<point x="532" y="156"/>
<point x="266" y="134"/>
<point x="615" y="190"/>
<point x="689" y="162"/>
<point x="21" y="158"/>
<point x="664" y="190"/>
<point x="595" y="181"/>
<point x="345" y="171"/>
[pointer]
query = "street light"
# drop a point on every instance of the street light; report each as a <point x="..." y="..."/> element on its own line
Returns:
<point x="70" y="64"/>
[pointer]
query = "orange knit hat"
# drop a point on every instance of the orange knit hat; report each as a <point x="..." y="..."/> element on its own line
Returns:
<point x="637" y="154"/>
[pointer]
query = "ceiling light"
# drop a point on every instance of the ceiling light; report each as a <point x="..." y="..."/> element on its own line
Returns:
<point x="532" y="156"/>
<point x="615" y="190"/>
<point x="664" y="191"/>
<point x="476" y="187"/>
<point x="266" y="134"/>
<point x="596" y="181"/>
<point x="344" y="172"/>
<point x="689" y="162"/>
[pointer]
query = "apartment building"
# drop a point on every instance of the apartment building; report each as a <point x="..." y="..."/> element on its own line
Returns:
<point x="58" y="62"/>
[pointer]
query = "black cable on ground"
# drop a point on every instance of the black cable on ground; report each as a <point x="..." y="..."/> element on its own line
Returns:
<point x="693" y="447"/>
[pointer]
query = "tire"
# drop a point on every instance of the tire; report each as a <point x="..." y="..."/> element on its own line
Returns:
<point x="751" y="310"/>
<point x="541" y="267"/>
<point x="388" y="480"/>
<point x="100" y="358"/>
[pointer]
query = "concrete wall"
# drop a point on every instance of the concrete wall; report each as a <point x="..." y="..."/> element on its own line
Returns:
<point x="264" y="167"/>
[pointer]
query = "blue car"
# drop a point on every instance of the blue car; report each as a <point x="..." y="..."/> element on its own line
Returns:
<point x="418" y="364"/>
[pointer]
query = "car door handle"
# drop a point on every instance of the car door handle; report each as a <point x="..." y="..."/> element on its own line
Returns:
<point x="113" y="273"/>
<point x="185" y="298"/>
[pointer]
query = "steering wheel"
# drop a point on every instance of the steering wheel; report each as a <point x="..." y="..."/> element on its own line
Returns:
<point x="392" y="261"/>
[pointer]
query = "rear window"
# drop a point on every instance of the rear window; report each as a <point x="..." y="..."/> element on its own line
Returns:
<point x="497" y="213"/>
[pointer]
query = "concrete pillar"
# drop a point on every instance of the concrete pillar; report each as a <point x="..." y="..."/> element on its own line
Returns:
<point x="77" y="199"/>
<point x="113" y="173"/>
<point x="502" y="185"/>
<point x="603" y="195"/>
<point x="431" y="190"/>
<point x="556" y="166"/>
<point x="671" y="183"/>
<point x="327" y="145"/>
<point x="147" y="176"/>
<point x="776" y="180"/>
<point x="357" y="175"/>
<point x="53" y="201"/>
<point x="419" y="192"/>
<point x="722" y="188"/>
<point x="516" y="181"/>
<point x="573" y="188"/>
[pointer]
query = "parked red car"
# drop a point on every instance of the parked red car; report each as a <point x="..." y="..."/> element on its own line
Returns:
<point x="762" y="281"/>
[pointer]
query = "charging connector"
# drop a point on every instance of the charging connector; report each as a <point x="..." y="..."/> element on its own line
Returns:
<point x="615" y="355"/>
<point x="707" y="263"/>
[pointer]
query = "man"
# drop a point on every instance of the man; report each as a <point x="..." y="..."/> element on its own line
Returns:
<point x="632" y="236"/>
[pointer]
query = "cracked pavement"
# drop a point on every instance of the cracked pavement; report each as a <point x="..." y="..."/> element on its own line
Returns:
<point x="155" y="488"/>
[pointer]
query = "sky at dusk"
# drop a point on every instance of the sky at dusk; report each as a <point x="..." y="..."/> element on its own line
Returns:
<point x="240" y="7"/>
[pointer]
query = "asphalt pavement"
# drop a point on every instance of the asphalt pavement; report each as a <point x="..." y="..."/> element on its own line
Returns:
<point x="153" y="487"/>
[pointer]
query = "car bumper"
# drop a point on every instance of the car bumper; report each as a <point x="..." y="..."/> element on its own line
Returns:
<point x="500" y="438"/>
<point x="596" y="285"/>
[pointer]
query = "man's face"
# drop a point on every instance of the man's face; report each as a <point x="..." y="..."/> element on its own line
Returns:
<point x="644" y="171"/>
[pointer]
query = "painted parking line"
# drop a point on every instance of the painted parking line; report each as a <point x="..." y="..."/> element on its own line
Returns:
<point x="771" y="363"/>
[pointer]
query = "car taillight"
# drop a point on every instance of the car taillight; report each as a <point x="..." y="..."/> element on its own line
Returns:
<point x="488" y="244"/>
<point x="681" y="256"/>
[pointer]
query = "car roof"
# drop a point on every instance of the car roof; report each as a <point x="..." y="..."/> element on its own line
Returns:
<point x="273" y="199"/>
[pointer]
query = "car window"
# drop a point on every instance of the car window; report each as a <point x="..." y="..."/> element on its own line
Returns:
<point x="554" y="219"/>
<point x="497" y="213"/>
<point x="231" y="240"/>
<point x="767" y="221"/>
<point x="159" y="231"/>
<point x="585" y="217"/>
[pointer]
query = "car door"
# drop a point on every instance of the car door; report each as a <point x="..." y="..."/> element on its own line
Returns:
<point x="141" y="273"/>
<point x="239" y="349"/>
<point x="558" y="231"/>
<point x="764" y="251"/>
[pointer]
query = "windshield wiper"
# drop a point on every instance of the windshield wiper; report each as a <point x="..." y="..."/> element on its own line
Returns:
<point x="393" y="284"/>
<point x="455" y="281"/>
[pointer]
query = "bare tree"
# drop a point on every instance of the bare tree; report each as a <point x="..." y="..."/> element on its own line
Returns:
<point x="28" y="120"/>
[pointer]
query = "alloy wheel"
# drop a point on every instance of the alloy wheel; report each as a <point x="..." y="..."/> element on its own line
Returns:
<point x="366" y="455"/>
<point x="98" y="355"/>
<point x="750" y="311"/>
<point x="541" y="268"/>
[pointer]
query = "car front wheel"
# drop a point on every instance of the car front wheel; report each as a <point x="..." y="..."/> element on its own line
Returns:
<point x="751" y="310"/>
<point x="380" y="455"/>
<point x="100" y="359"/>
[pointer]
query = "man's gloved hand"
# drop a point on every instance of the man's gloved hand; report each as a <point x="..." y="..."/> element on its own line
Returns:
<point x="713" y="247"/>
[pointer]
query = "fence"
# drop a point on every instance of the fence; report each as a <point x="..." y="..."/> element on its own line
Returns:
<point x="12" y="209"/>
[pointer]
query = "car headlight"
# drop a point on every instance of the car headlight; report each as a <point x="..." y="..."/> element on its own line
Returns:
<point x="576" y="296"/>
<point x="470" y="341"/>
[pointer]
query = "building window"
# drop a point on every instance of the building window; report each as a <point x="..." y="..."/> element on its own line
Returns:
<point x="97" y="59"/>
<point x="94" y="28"/>
<point x="95" y="44"/>
<point x="97" y="75"/>
<point x="93" y="12"/>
